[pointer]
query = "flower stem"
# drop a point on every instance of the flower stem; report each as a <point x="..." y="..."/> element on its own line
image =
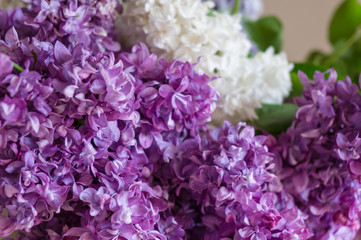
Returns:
<point x="17" y="67"/>
<point x="236" y="7"/>
<point x="338" y="53"/>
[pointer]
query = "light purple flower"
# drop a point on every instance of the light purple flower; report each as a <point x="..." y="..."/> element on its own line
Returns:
<point x="250" y="8"/>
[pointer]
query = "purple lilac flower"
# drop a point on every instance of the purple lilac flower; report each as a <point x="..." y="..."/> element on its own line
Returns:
<point x="71" y="22"/>
<point x="101" y="144"/>
<point x="79" y="124"/>
<point x="322" y="156"/>
<point x="13" y="17"/>
<point x="250" y="8"/>
<point x="220" y="188"/>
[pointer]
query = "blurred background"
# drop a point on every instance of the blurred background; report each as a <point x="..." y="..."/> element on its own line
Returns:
<point x="305" y="24"/>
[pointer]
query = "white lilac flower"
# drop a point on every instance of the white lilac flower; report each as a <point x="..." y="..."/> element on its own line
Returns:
<point x="275" y="77"/>
<point x="189" y="30"/>
<point x="263" y="78"/>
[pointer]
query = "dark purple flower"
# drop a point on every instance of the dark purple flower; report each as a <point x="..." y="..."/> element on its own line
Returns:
<point x="321" y="152"/>
<point x="348" y="149"/>
<point x="171" y="229"/>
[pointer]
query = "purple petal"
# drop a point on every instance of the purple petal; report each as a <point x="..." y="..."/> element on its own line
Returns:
<point x="87" y="195"/>
<point x="6" y="226"/>
<point x="166" y="91"/>
<point x="145" y="139"/>
<point x="246" y="232"/>
<point x="300" y="181"/>
<point x="355" y="167"/>
<point x="61" y="53"/>
<point x="6" y="65"/>
<point x="11" y="37"/>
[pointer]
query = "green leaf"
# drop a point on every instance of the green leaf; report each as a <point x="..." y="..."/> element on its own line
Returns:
<point x="265" y="32"/>
<point x="308" y="68"/>
<point x="345" y="20"/>
<point x="275" y="118"/>
<point x="297" y="86"/>
<point x="236" y="7"/>
<point x="317" y="58"/>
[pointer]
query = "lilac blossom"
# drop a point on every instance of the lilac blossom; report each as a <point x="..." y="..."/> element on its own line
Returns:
<point x="78" y="124"/>
<point x="101" y="143"/>
<point x="222" y="187"/>
<point x="322" y="156"/>
<point x="249" y="8"/>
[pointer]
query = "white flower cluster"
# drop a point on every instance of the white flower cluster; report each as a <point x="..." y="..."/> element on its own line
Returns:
<point x="190" y="30"/>
<point x="9" y="4"/>
<point x="264" y="78"/>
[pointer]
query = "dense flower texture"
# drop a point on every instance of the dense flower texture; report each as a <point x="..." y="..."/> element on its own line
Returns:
<point x="78" y="124"/>
<point x="322" y="152"/>
<point x="101" y="144"/>
<point x="221" y="186"/>
<point x="185" y="29"/>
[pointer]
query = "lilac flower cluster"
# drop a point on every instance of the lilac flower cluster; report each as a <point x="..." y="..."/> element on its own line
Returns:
<point x="99" y="143"/>
<point x="98" y="146"/>
<point x="322" y="156"/>
<point x="77" y="126"/>
<point x="221" y="186"/>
